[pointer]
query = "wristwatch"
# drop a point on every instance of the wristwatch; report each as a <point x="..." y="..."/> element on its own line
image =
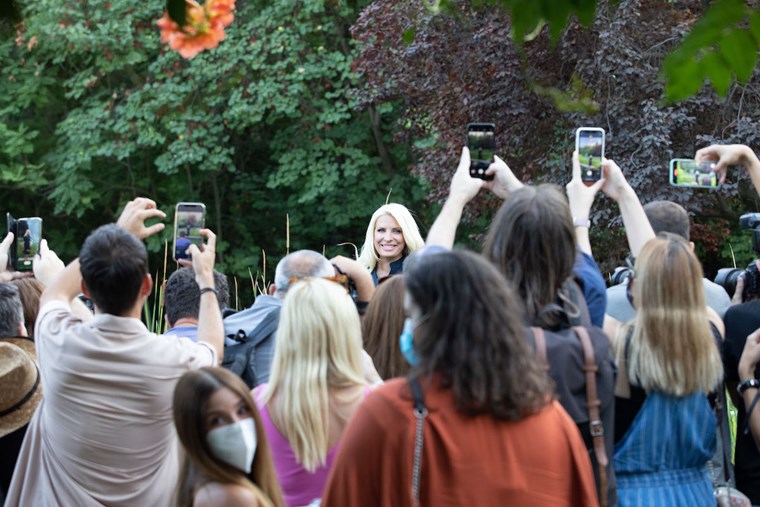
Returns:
<point x="752" y="383"/>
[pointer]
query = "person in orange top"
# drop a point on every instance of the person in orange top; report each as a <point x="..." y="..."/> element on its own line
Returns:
<point x="490" y="431"/>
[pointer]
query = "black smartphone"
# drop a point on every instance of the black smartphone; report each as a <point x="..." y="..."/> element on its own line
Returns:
<point x="686" y="172"/>
<point x="482" y="145"/>
<point x="189" y="219"/>
<point x="589" y="143"/>
<point x="27" y="234"/>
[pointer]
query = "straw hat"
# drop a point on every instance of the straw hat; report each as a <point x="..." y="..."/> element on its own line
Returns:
<point x="20" y="378"/>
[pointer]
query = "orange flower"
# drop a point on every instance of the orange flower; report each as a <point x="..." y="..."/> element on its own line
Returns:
<point x="204" y="28"/>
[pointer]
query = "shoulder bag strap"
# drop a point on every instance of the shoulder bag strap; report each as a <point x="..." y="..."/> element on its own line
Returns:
<point x="420" y="413"/>
<point x="539" y="339"/>
<point x="595" y="418"/>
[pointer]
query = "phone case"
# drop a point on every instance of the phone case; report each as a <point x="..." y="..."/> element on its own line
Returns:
<point x="591" y="161"/>
<point x="189" y="218"/>
<point x="702" y="176"/>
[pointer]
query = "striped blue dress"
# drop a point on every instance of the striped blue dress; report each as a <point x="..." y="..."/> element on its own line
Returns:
<point x="661" y="460"/>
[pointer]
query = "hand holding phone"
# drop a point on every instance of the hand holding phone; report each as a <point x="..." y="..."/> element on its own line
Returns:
<point x="589" y="143"/>
<point x="482" y="146"/>
<point x="690" y="173"/>
<point x="189" y="219"/>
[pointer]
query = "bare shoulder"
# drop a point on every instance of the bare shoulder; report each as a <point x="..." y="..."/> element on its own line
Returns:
<point x="230" y="495"/>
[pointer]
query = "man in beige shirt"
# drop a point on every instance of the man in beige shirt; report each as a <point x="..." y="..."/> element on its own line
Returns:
<point x="103" y="434"/>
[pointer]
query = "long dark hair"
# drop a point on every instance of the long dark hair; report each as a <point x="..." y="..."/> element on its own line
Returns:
<point x="471" y="334"/>
<point x="190" y="406"/>
<point x="381" y="326"/>
<point x="532" y="242"/>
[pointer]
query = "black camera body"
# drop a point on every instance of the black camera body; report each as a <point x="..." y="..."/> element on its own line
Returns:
<point x="727" y="277"/>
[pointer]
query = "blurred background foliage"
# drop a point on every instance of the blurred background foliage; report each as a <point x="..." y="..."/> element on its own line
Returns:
<point x="317" y="110"/>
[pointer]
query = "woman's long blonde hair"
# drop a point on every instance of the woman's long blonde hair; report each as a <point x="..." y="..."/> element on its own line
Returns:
<point x="319" y="346"/>
<point x="412" y="237"/>
<point x="672" y="348"/>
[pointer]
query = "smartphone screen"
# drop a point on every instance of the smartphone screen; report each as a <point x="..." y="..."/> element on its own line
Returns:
<point x="482" y="145"/>
<point x="28" y="235"/>
<point x="589" y="143"/>
<point x="688" y="173"/>
<point x="189" y="219"/>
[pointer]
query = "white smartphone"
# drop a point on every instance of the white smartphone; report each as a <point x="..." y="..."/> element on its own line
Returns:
<point x="589" y="143"/>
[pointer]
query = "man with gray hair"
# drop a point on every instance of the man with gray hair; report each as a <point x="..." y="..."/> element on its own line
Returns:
<point x="250" y="334"/>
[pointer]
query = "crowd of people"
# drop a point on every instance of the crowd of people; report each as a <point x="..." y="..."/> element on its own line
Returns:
<point x="416" y="374"/>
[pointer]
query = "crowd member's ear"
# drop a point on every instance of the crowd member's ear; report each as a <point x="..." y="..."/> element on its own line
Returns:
<point x="272" y="289"/>
<point x="84" y="289"/>
<point x="22" y="329"/>
<point x="691" y="246"/>
<point x="147" y="285"/>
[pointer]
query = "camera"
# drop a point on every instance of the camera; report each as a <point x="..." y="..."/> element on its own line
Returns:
<point x="727" y="277"/>
<point x="620" y="275"/>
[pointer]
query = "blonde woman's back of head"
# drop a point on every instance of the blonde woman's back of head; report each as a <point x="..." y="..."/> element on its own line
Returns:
<point x="672" y="347"/>
<point x="319" y="348"/>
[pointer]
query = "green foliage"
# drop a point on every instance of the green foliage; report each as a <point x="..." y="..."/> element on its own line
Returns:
<point x="721" y="45"/>
<point x="95" y="111"/>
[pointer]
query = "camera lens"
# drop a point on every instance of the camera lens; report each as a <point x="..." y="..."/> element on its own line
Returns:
<point x="621" y="274"/>
<point x="727" y="278"/>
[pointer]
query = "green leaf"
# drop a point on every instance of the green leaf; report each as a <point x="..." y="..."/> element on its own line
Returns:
<point x="683" y="78"/>
<point x="718" y="71"/>
<point x="739" y="49"/>
<point x="754" y="24"/>
<point x="408" y="35"/>
<point x="177" y="10"/>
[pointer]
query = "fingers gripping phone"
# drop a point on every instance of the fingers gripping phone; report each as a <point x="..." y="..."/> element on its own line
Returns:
<point x="589" y="143"/>
<point x="27" y="233"/>
<point x="482" y="145"/>
<point x="690" y="173"/>
<point x="189" y="219"/>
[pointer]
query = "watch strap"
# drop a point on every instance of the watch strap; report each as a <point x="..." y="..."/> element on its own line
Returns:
<point x="752" y="383"/>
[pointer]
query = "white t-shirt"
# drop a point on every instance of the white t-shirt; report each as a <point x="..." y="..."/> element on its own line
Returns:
<point x="103" y="433"/>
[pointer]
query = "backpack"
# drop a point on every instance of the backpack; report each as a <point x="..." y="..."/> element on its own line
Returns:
<point x="583" y="371"/>
<point x="249" y="344"/>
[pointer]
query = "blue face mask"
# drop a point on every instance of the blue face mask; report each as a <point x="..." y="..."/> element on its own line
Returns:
<point x="406" y="342"/>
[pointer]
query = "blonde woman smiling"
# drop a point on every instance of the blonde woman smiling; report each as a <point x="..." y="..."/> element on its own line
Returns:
<point x="315" y="386"/>
<point x="391" y="236"/>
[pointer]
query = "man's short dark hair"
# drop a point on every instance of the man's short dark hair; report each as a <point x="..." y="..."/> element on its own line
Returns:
<point x="667" y="216"/>
<point x="182" y="298"/>
<point x="113" y="263"/>
<point x="11" y="310"/>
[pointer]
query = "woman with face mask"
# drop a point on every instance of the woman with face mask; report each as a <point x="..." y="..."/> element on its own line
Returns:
<point x="474" y="422"/>
<point x="227" y="461"/>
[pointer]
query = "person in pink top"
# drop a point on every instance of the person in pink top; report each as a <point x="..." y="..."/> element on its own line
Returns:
<point x="316" y="384"/>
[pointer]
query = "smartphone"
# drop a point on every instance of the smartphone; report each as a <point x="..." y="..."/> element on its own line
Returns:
<point x="589" y="143"/>
<point x="189" y="219"/>
<point x="27" y="233"/>
<point x="482" y="145"/>
<point x="686" y="172"/>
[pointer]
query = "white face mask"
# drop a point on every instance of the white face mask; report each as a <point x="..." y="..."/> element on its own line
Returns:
<point x="235" y="443"/>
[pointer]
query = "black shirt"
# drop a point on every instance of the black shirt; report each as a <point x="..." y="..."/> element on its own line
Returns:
<point x="742" y="320"/>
